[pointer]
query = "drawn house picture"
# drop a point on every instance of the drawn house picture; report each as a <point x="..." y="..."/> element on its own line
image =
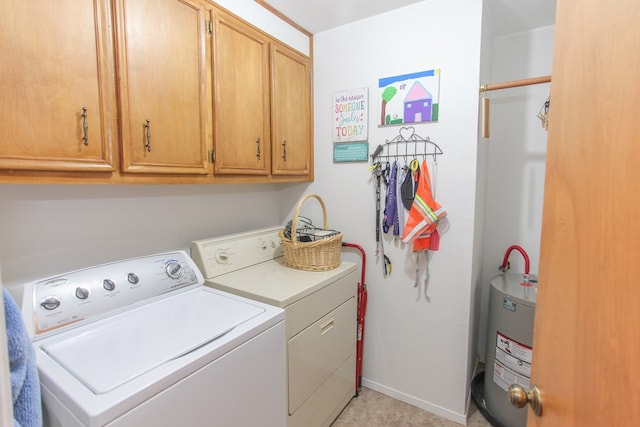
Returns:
<point x="417" y="104"/>
<point x="410" y="98"/>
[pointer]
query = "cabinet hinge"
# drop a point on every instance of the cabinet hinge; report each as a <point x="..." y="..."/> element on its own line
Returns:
<point x="212" y="156"/>
<point x="209" y="26"/>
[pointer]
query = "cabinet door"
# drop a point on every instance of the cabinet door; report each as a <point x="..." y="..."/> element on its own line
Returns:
<point x="241" y="93"/>
<point x="291" y="113"/>
<point x="57" y="85"/>
<point x="162" y="86"/>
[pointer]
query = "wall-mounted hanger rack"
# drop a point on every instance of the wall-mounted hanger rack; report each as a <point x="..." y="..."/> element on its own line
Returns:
<point x="407" y="145"/>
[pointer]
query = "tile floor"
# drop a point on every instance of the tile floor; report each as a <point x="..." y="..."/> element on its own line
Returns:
<point x="373" y="409"/>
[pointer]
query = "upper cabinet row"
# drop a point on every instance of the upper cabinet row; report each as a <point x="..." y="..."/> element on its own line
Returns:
<point x="148" y="91"/>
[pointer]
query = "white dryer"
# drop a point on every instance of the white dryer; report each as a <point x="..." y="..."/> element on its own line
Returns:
<point x="320" y="313"/>
<point x="141" y="342"/>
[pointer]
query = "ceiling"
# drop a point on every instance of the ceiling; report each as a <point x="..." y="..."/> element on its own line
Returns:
<point x="507" y="16"/>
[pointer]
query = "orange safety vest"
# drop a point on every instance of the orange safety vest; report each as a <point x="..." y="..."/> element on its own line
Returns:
<point x="424" y="214"/>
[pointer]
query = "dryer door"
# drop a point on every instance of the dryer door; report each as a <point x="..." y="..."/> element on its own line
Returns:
<point x="316" y="353"/>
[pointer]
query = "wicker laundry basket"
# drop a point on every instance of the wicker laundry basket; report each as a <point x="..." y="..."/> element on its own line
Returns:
<point x="319" y="255"/>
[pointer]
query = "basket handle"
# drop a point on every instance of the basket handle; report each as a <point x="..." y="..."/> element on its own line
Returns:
<point x="294" y="220"/>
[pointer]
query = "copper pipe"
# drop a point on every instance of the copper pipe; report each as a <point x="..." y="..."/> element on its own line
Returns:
<point x="485" y="117"/>
<point x="515" y="83"/>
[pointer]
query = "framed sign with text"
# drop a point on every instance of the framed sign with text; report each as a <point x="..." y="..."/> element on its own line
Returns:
<point x="351" y="115"/>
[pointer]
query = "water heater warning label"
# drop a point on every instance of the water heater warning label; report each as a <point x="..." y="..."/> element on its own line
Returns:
<point x="512" y="364"/>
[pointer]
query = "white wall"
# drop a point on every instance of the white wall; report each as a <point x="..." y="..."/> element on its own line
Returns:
<point x="415" y="350"/>
<point x="481" y="191"/>
<point x="517" y="151"/>
<point x="51" y="229"/>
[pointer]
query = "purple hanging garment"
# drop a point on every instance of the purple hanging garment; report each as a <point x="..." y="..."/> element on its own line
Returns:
<point x="391" y="210"/>
<point x="390" y="206"/>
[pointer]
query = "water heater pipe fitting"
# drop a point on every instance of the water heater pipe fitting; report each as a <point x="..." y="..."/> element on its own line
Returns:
<point x="505" y="261"/>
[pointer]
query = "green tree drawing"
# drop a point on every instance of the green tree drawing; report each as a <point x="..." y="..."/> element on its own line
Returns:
<point x="387" y="95"/>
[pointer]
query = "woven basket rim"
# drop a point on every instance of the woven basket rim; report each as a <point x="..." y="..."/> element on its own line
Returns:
<point x="317" y="255"/>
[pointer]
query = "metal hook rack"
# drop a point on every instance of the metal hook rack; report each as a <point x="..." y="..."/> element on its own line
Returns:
<point x="413" y="146"/>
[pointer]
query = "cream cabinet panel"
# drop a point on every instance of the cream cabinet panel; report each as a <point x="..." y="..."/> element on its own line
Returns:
<point x="318" y="352"/>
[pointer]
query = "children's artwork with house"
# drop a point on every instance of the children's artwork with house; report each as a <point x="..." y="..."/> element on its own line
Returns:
<point x="410" y="98"/>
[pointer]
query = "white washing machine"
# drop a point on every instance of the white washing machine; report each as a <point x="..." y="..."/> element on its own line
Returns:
<point x="142" y="342"/>
<point x="320" y="317"/>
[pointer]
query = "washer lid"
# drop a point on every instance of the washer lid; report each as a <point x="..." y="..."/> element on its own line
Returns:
<point x="110" y="352"/>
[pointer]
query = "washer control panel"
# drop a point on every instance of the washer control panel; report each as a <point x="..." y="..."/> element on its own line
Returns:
<point x="221" y="255"/>
<point x="83" y="295"/>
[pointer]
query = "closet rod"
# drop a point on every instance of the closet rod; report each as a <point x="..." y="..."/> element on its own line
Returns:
<point x="515" y="83"/>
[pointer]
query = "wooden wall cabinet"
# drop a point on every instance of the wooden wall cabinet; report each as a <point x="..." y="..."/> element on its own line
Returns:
<point x="57" y="84"/>
<point x="140" y="91"/>
<point x="291" y="112"/>
<point x="262" y="109"/>
<point x="162" y="86"/>
<point x="241" y="97"/>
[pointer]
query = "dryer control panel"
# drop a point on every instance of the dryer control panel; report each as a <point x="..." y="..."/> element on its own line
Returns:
<point x="80" y="296"/>
<point x="221" y="255"/>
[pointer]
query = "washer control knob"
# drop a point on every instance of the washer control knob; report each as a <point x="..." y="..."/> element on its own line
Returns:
<point x="50" y="303"/>
<point x="82" y="293"/>
<point x="133" y="278"/>
<point x="108" y="284"/>
<point x="174" y="270"/>
<point x="222" y="256"/>
<point x="262" y="244"/>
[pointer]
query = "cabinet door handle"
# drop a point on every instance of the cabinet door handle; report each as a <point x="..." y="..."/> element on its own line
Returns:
<point x="284" y="150"/>
<point x="258" y="148"/>
<point x="327" y="326"/>
<point x="85" y="127"/>
<point x="147" y="126"/>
